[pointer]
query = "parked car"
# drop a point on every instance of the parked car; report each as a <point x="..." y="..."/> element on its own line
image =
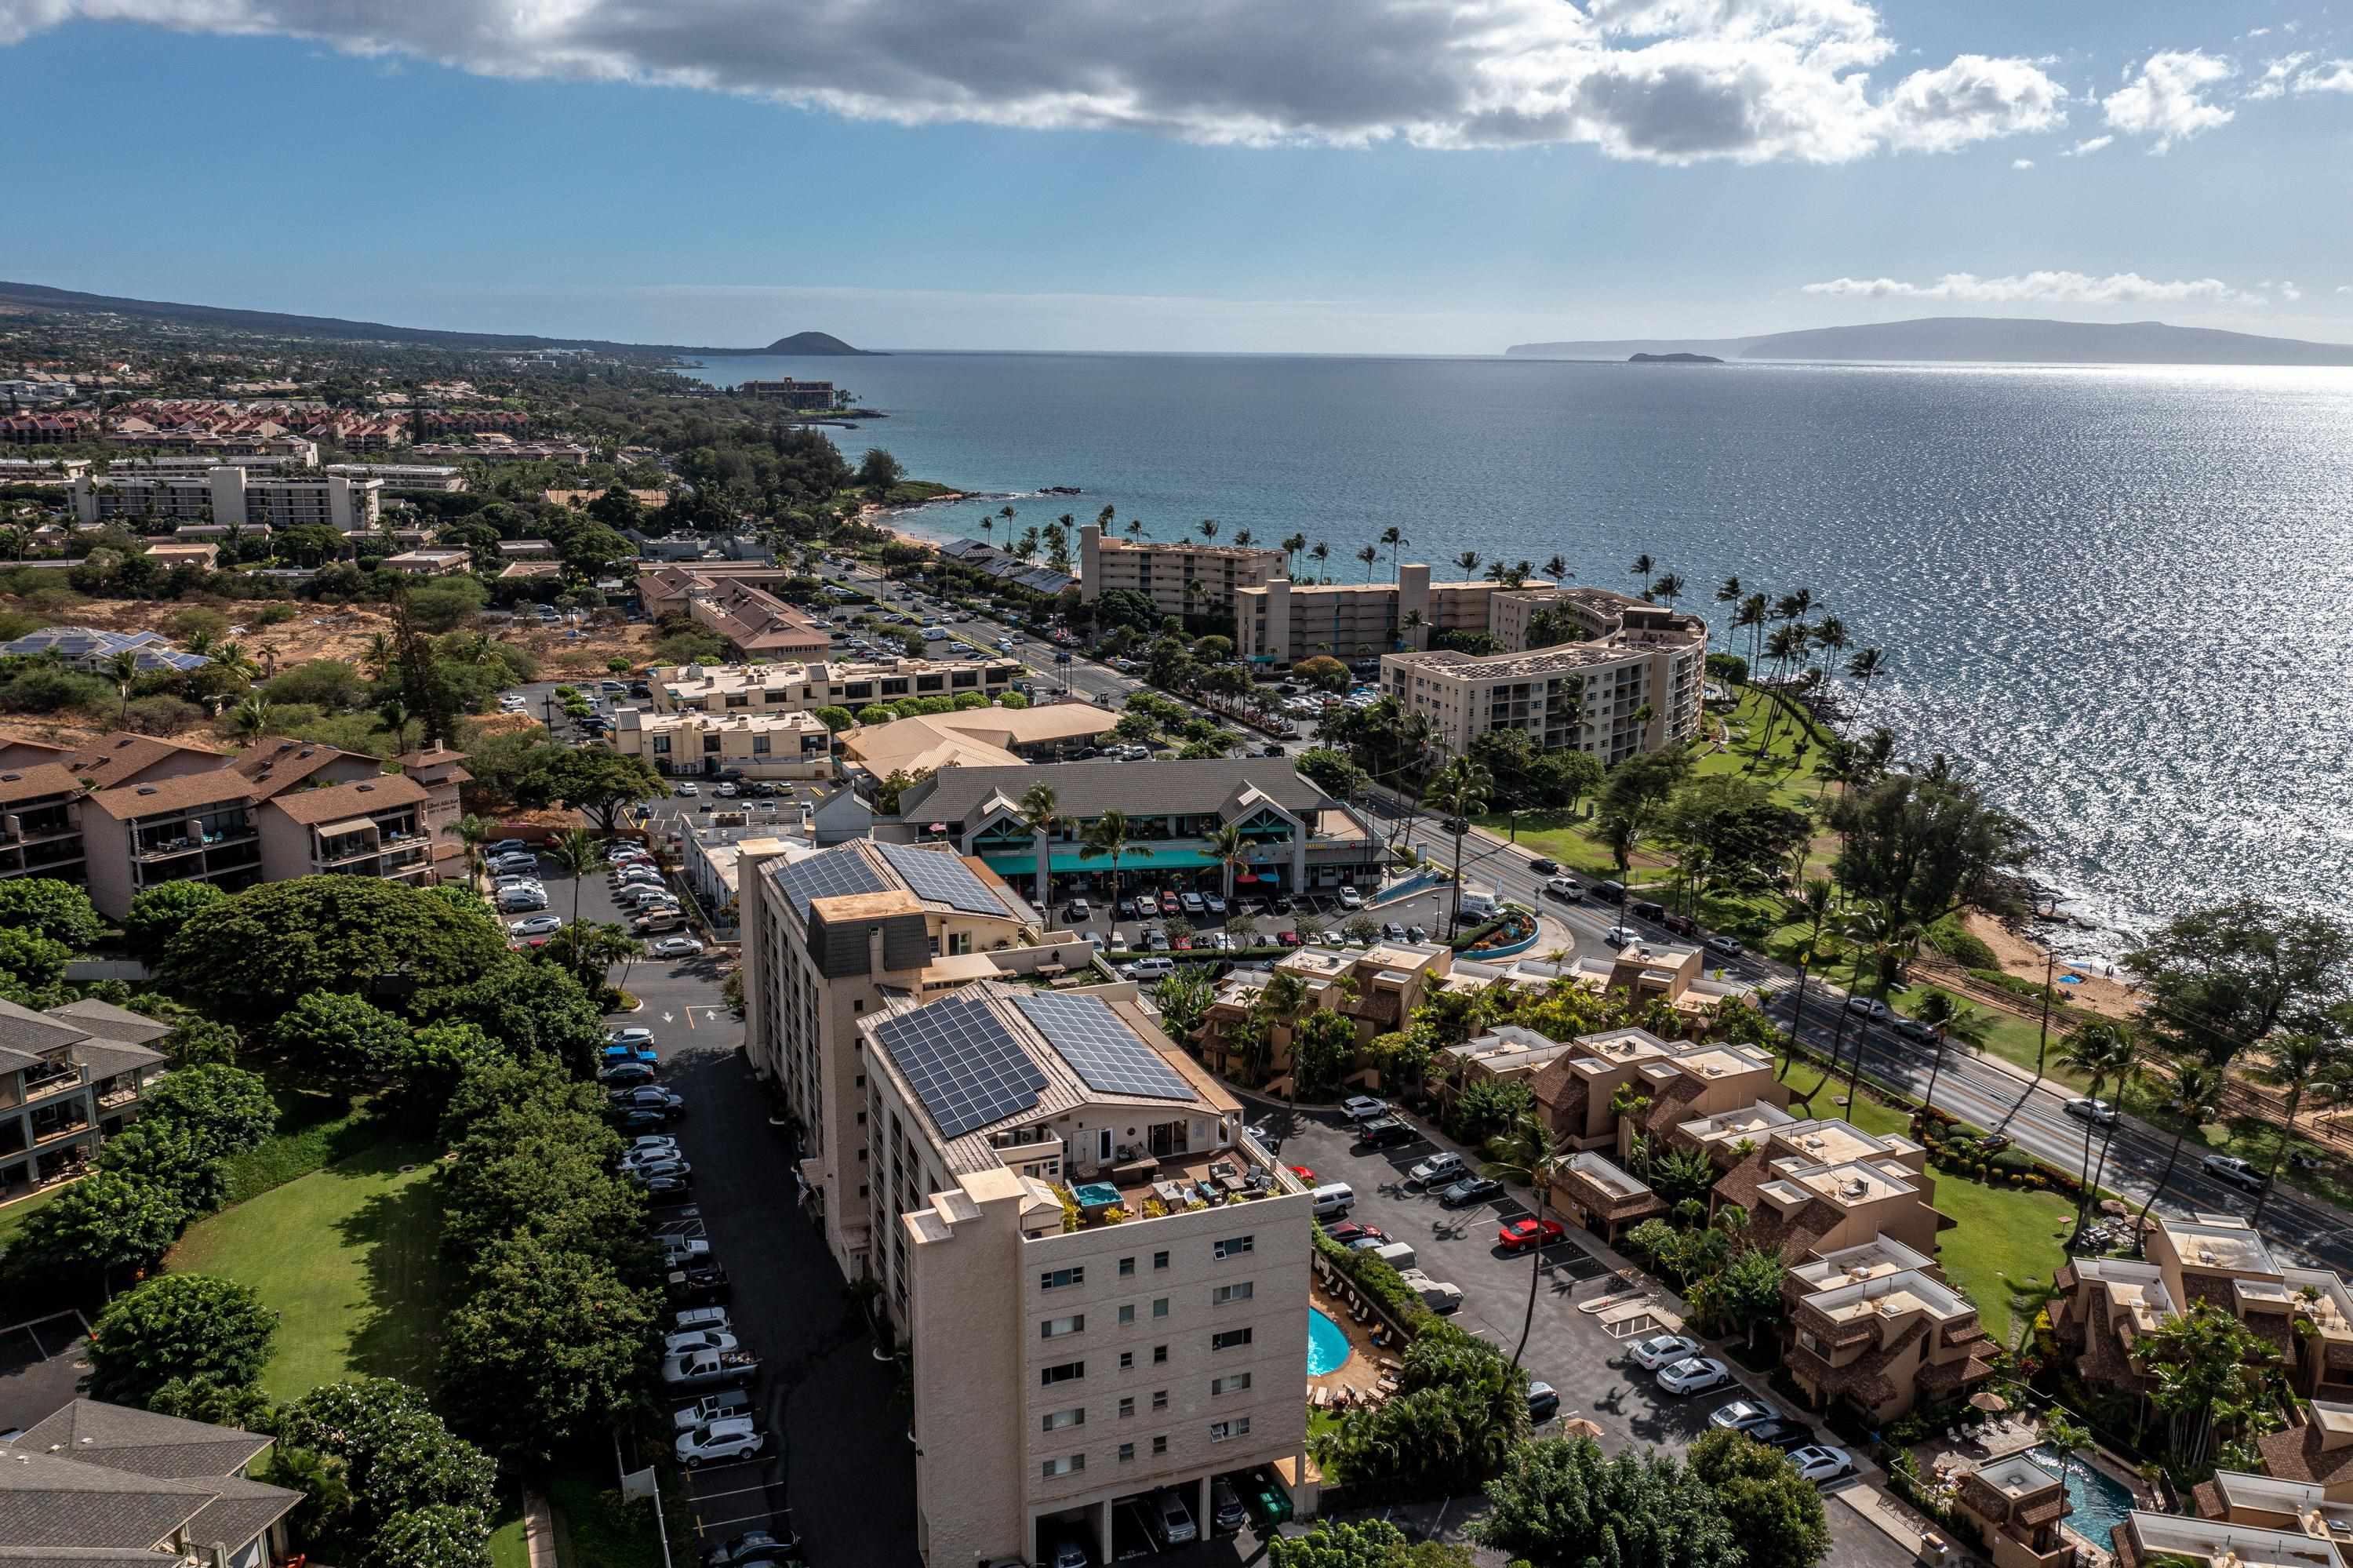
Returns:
<point x="1385" y="1132"/>
<point x="1518" y="1235"/>
<point x="654" y="1140"/>
<point x="1564" y="887"/>
<point x="1192" y="904"/>
<point x="1286" y="939"/>
<point x="1363" y="1107"/>
<point x="506" y="846"/>
<point x="1742" y="1414"/>
<point x="1214" y="903"/>
<point x="649" y="1159"/>
<point x="1351" y="899"/>
<point x="1780" y="1433"/>
<point x="1170" y="905"/>
<point x="1695" y="1375"/>
<point x="1470" y="1190"/>
<point x="687" y="788"/>
<point x="679" y="1170"/>
<point x="626" y="1073"/>
<point x="1226" y="1510"/>
<point x="522" y="900"/>
<point x="735" y="1437"/>
<point x="709" y="1369"/>
<point x="2236" y="1171"/>
<point x="642" y="1095"/>
<point x="1544" y="1402"/>
<point x="1172" y="1522"/>
<point x="637" y="1119"/>
<point x="1437" y="1170"/>
<point x="632" y="1036"/>
<point x="1621" y="936"/>
<point x="1393" y="931"/>
<point x="675" y="947"/>
<point x="1662" y="1350"/>
<point x="711" y="1407"/>
<point x="1077" y="909"/>
<point x="1349" y="1233"/>
<point x="697" y="1339"/>
<point x="753" y="1548"/>
<point x="614" y="1055"/>
<point x="2098" y="1112"/>
<point x="538" y="925"/>
<point x="1819" y="1464"/>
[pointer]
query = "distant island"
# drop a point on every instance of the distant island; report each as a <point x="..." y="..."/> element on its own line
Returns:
<point x="1677" y="359"/>
<point x="810" y="342"/>
<point x="1990" y="340"/>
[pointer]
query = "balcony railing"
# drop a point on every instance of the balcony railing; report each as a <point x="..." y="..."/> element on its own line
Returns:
<point x="59" y="1134"/>
<point x="55" y="1083"/>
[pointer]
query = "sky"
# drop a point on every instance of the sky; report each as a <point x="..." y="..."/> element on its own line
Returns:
<point x="1417" y="176"/>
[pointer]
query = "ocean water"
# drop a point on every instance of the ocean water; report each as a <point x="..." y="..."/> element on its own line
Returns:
<point x="2122" y="599"/>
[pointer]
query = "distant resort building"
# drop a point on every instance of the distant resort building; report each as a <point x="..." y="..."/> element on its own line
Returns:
<point x="1185" y="577"/>
<point x="976" y="556"/>
<point x="815" y="396"/>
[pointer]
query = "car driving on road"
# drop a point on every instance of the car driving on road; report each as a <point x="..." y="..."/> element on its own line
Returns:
<point x="2098" y="1112"/>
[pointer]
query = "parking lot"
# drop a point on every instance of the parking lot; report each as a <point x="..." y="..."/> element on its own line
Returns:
<point x="1427" y="910"/>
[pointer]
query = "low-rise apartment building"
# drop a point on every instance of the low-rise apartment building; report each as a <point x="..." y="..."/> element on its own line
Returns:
<point x="429" y="563"/>
<point x="1100" y="1275"/>
<point x="405" y="475"/>
<point x="1666" y="982"/>
<point x="818" y="396"/>
<point x="1185" y="577"/>
<point x="1609" y="1088"/>
<point x="375" y="828"/>
<point x="98" y="1483"/>
<point x="697" y="745"/>
<point x="804" y="687"/>
<point x="61" y="428"/>
<point x="40" y="825"/>
<point x="69" y="1078"/>
<point x="1376" y="989"/>
<point x="490" y="447"/>
<point x="754" y="624"/>
<point x="119" y="758"/>
<point x="1874" y="1327"/>
<point x="2217" y="1261"/>
<point x="668" y="587"/>
<point x="2016" y="1504"/>
<point x="1298" y="836"/>
<point x="2150" y="1540"/>
<point x="232" y="494"/>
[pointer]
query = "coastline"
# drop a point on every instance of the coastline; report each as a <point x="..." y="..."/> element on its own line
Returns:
<point x="2024" y="955"/>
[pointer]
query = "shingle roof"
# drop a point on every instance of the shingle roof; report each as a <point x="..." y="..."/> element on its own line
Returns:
<point x="2296" y="1454"/>
<point x="112" y="1022"/>
<point x="276" y="764"/>
<point x="32" y="783"/>
<point x="48" y="1499"/>
<point x="119" y="755"/>
<point x="22" y="1029"/>
<point x="1139" y="789"/>
<point x="106" y="1058"/>
<point x="310" y="807"/>
<point x="185" y="793"/>
<point x="144" y="1443"/>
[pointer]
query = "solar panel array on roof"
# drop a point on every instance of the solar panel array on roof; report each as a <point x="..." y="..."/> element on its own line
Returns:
<point x="1108" y="1054"/>
<point x="964" y="1064"/>
<point x="833" y="874"/>
<point x="942" y="879"/>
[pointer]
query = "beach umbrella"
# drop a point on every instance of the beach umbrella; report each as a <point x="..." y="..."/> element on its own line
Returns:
<point x="1989" y="1402"/>
<point x="1580" y="1427"/>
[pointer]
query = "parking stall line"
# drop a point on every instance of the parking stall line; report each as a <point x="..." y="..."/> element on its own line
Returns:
<point x="741" y="1519"/>
<point x="738" y="1492"/>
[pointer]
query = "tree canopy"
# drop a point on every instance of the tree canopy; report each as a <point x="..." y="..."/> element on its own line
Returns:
<point x="179" y="1325"/>
<point x="46" y="907"/>
<point x="1563" y="1502"/>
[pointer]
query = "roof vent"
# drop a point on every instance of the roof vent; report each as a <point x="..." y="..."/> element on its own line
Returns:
<point x="366" y="788"/>
<point x="9" y="777"/>
<point x="146" y="789"/>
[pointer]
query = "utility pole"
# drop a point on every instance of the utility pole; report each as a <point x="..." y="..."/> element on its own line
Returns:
<point x="2042" y="1040"/>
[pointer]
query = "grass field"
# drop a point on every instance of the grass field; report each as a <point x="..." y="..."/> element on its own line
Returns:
<point x="348" y="1257"/>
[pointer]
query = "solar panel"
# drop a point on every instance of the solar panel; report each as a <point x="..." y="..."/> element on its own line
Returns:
<point x="964" y="1064"/>
<point x="1107" y="1053"/>
<point x="833" y="874"/>
<point x="942" y="879"/>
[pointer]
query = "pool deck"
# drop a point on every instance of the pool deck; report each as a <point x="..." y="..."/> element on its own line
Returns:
<point x="1357" y="1379"/>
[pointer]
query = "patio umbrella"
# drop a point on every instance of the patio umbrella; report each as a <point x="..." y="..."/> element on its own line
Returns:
<point x="1989" y="1402"/>
<point x="1580" y="1427"/>
<point x="2116" y="1206"/>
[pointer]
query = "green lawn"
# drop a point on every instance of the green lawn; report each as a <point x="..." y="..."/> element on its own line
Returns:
<point x="507" y="1547"/>
<point x="13" y="1217"/>
<point x="348" y="1257"/>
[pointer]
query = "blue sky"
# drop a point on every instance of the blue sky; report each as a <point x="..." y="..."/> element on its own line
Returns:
<point x="1335" y="175"/>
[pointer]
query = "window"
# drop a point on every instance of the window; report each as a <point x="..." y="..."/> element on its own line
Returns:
<point x="1159" y="1260"/>
<point x="1159" y="1399"/>
<point x="1127" y="1361"/>
<point x="1159" y="1355"/>
<point x="1127" y="1407"/>
<point x="1241" y="1291"/>
<point x="1232" y="1383"/>
<point x="1069" y="1465"/>
<point x="1127" y="1266"/>
<point x="1061" y="1372"/>
<point x="1230" y="1340"/>
<point x="1054" y="1279"/>
<point x="1058" y="1420"/>
<point x="1055" y="1328"/>
<point x="1160" y="1443"/>
<point x="1232" y="1246"/>
<point x="1127" y="1452"/>
<point x="1127" y="1314"/>
<point x="1160" y="1307"/>
<point x="1221" y="1430"/>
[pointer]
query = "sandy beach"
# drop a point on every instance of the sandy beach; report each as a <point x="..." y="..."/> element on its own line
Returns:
<point x="2020" y="954"/>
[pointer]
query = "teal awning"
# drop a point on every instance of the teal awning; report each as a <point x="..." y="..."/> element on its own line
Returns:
<point x="1136" y="857"/>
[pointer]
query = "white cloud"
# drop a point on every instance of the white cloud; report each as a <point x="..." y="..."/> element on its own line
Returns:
<point x="2289" y="291"/>
<point x="2258" y="33"/>
<point x="2072" y="288"/>
<point x="2166" y="100"/>
<point x="2086" y="149"/>
<point x="2274" y="81"/>
<point x="2329" y="75"/>
<point x="2021" y="163"/>
<point x="1673" y="82"/>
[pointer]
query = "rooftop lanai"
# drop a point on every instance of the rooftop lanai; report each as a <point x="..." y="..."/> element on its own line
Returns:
<point x="2017" y="1505"/>
<point x="1603" y="1196"/>
<point x="1879" y="1338"/>
<point x="2236" y="1497"/>
<point x="2217" y="1543"/>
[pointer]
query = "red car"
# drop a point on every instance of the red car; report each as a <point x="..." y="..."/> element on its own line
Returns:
<point x="1183" y="944"/>
<point x="1518" y="1235"/>
<point x="1169" y="905"/>
<point x="1353" y="1232"/>
<point x="1304" y="1174"/>
<point x="1286" y="939"/>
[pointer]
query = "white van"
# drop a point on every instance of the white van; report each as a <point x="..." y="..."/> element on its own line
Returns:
<point x="1151" y="968"/>
<point x="1479" y="901"/>
<point x="1399" y="1255"/>
<point x="1332" y="1200"/>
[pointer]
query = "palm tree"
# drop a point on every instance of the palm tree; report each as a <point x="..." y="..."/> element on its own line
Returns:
<point x="2126" y="1070"/>
<point x="1370" y="555"/>
<point x="1106" y="835"/>
<point x="1228" y="849"/>
<point x="1728" y="592"/>
<point x="250" y="718"/>
<point x="1558" y="570"/>
<point x="1752" y="615"/>
<point x="393" y="714"/>
<point x="1642" y="567"/>
<point x="1038" y="815"/>
<point x="1866" y="666"/>
<point x="1670" y="588"/>
<point x="1208" y="528"/>
<point x="578" y="853"/>
<point x="1291" y="548"/>
<point x="1320" y="553"/>
<point x="1135" y="527"/>
<point x="2096" y="1050"/>
<point x="122" y="669"/>
<point x="1527" y="1151"/>
<point x="1948" y="1016"/>
<point x="2191" y="1100"/>
<point x="1242" y="537"/>
<point x="1813" y="904"/>
<point x="232" y="658"/>
<point x="987" y="527"/>
<point x="1462" y="790"/>
<point x="2289" y="1060"/>
<point x="472" y="832"/>
<point x="1392" y="538"/>
<point x="1469" y="561"/>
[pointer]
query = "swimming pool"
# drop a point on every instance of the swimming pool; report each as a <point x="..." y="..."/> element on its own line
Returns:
<point x="2098" y="1499"/>
<point x="1327" y="1344"/>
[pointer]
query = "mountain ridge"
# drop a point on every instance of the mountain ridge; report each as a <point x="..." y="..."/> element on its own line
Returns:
<point x="22" y="298"/>
<point x="1998" y="340"/>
